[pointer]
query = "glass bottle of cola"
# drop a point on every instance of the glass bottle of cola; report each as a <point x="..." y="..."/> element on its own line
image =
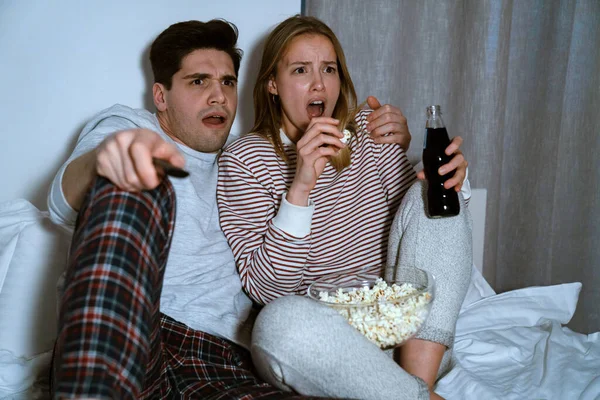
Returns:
<point x="441" y="202"/>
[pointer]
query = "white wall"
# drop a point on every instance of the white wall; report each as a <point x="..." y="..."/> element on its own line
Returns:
<point x="63" y="61"/>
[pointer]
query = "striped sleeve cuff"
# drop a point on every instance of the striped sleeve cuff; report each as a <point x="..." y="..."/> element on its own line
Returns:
<point x="292" y="219"/>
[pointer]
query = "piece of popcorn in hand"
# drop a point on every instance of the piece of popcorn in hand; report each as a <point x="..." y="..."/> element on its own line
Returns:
<point x="347" y="136"/>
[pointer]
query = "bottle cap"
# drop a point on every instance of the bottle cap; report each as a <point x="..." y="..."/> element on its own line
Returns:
<point x="433" y="110"/>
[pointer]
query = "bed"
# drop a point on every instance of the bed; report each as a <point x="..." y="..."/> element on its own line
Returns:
<point x="508" y="346"/>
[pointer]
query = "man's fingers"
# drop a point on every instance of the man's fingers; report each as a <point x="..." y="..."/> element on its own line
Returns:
<point x="146" y="172"/>
<point x="109" y="164"/>
<point x="457" y="179"/>
<point x="387" y="111"/>
<point x="168" y="152"/>
<point x="373" y="103"/>
<point x="454" y="145"/>
<point x="384" y="129"/>
<point x="130" y="169"/>
<point x="421" y="175"/>
<point x="454" y="163"/>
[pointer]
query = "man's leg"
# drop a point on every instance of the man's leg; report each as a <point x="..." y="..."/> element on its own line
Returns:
<point x="203" y="366"/>
<point x="109" y="343"/>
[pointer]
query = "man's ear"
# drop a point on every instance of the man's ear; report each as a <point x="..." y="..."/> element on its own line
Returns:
<point x="272" y="86"/>
<point x="159" y="95"/>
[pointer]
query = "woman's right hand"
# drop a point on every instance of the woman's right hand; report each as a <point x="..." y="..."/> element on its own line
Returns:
<point x="321" y="140"/>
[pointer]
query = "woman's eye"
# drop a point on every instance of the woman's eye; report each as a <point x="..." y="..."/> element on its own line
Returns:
<point x="300" y="70"/>
<point x="330" y="70"/>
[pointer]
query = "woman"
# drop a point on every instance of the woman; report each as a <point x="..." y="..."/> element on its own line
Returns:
<point x="299" y="199"/>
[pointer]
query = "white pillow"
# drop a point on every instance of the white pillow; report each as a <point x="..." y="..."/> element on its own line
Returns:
<point x="33" y="254"/>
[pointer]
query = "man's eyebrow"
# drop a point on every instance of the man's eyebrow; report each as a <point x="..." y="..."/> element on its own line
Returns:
<point x="199" y="75"/>
<point x="229" y="78"/>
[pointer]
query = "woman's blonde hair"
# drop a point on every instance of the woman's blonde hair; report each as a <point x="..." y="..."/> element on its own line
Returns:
<point x="267" y="108"/>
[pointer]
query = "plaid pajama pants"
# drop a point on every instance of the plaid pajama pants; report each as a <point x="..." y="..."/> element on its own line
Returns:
<point x="113" y="341"/>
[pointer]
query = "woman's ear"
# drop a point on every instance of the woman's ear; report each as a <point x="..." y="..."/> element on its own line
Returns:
<point x="272" y="86"/>
<point x="159" y="95"/>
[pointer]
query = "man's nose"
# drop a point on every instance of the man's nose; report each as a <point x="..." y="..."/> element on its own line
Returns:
<point x="217" y="95"/>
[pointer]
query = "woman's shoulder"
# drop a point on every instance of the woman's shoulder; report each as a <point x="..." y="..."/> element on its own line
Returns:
<point x="361" y="116"/>
<point x="361" y="123"/>
<point x="251" y="142"/>
<point x="250" y="148"/>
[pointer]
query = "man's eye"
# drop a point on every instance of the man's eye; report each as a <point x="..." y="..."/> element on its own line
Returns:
<point x="229" y="83"/>
<point x="197" y="82"/>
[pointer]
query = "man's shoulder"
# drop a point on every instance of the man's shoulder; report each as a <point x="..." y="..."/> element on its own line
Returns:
<point x="136" y="116"/>
<point x="116" y="118"/>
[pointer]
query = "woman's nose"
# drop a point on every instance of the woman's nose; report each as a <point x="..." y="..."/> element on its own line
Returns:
<point x="318" y="83"/>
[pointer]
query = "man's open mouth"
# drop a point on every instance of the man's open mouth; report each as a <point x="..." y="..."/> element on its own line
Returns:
<point x="214" y="120"/>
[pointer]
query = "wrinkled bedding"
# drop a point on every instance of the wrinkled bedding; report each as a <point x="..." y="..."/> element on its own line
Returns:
<point x="507" y="346"/>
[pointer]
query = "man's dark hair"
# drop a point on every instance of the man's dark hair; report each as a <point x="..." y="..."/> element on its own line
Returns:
<point x="182" y="38"/>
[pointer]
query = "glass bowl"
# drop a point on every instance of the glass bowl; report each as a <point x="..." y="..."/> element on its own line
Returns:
<point x="388" y="313"/>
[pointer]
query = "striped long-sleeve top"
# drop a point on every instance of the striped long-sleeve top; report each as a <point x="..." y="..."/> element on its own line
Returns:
<point x="281" y="248"/>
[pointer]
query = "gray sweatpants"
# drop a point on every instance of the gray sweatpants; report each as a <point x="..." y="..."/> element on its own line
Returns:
<point x="301" y="345"/>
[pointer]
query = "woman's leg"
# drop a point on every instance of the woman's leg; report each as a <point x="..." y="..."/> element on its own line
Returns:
<point x="441" y="246"/>
<point x="302" y="345"/>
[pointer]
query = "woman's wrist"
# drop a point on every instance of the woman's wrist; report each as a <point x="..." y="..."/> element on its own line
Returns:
<point x="297" y="196"/>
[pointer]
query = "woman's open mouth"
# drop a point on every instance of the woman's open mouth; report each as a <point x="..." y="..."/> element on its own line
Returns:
<point x="315" y="108"/>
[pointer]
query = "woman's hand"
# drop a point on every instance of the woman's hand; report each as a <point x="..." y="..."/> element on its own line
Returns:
<point x="387" y="124"/>
<point x="458" y="164"/>
<point x="321" y="140"/>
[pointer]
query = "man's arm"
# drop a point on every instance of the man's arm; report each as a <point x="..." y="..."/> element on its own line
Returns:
<point x="78" y="177"/>
<point x="124" y="158"/>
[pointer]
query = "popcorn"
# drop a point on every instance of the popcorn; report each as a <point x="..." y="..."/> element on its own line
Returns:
<point x="386" y="315"/>
<point x="347" y="136"/>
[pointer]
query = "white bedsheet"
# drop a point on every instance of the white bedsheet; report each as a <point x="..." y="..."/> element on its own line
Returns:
<point x="512" y="346"/>
<point x="508" y="346"/>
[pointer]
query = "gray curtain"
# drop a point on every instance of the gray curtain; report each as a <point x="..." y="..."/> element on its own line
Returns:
<point x="520" y="82"/>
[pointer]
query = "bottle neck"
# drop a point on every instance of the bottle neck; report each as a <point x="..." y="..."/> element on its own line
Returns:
<point x="434" y="118"/>
<point x="435" y="123"/>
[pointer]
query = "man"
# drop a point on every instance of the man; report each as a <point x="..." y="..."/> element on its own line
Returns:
<point x="113" y="341"/>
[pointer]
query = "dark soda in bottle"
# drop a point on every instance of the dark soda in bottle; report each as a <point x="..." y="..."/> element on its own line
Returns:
<point x="441" y="202"/>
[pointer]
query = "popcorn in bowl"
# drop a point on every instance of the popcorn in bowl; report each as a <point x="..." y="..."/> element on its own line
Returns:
<point x="386" y="313"/>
